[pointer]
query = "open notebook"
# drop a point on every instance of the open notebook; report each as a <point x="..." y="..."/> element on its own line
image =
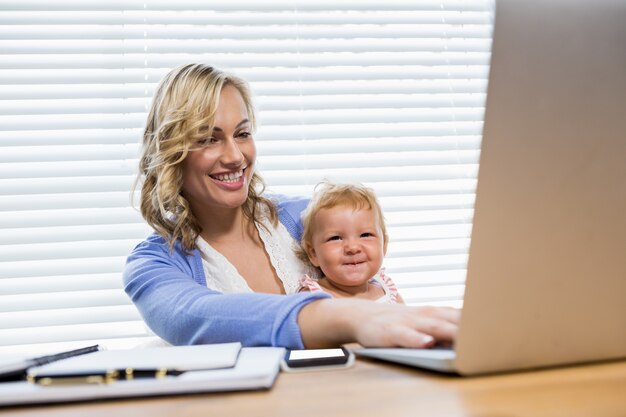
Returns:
<point x="546" y="280"/>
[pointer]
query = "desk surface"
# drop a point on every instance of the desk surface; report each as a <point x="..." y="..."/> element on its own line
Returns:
<point x="373" y="388"/>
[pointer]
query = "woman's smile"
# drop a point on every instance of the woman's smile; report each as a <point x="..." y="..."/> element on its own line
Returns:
<point x="230" y="181"/>
<point x="228" y="177"/>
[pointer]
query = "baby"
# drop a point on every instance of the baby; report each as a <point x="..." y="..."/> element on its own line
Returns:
<point x="346" y="239"/>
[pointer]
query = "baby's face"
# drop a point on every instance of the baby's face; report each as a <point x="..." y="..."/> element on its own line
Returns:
<point x="347" y="244"/>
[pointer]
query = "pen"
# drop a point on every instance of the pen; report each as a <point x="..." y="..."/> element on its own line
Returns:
<point x="16" y="371"/>
<point x="99" y="376"/>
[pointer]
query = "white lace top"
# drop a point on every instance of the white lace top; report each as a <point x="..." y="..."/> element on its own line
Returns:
<point x="222" y="276"/>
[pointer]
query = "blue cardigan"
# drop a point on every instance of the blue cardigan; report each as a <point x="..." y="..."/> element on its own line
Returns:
<point x="169" y="289"/>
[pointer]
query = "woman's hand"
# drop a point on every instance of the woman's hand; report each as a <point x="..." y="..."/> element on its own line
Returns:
<point x="333" y="322"/>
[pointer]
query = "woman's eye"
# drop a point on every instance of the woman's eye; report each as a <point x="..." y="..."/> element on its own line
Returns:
<point x="244" y="135"/>
<point x="206" y="141"/>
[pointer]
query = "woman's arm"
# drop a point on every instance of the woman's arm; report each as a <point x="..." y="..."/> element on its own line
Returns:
<point x="289" y="210"/>
<point x="183" y="311"/>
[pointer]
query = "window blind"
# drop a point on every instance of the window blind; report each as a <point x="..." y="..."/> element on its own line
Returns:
<point x="390" y="94"/>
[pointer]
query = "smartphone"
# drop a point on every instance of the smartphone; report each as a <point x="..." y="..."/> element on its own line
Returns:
<point x="316" y="359"/>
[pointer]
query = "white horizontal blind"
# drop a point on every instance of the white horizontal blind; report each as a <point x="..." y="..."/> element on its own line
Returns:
<point x="387" y="93"/>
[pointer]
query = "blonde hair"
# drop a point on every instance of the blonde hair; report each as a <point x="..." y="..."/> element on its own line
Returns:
<point x="184" y="106"/>
<point x="329" y="195"/>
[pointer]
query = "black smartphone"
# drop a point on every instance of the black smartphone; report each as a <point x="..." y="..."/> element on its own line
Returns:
<point x="316" y="359"/>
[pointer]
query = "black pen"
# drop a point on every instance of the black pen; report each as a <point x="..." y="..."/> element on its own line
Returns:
<point x="16" y="371"/>
<point x="98" y="376"/>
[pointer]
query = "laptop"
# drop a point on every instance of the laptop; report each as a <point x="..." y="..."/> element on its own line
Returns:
<point x="546" y="277"/>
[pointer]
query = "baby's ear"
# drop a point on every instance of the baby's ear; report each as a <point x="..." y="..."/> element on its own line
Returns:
<point x="310" y="251"/>
<point x="385" y="248"/>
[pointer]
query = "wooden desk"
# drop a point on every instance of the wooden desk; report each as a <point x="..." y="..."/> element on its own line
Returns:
<point x="378" y="389"/>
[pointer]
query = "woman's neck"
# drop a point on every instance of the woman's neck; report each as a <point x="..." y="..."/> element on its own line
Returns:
<point x="224" y="225"/>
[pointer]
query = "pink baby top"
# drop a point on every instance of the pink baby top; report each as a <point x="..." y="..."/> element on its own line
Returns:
<point x="380" y="279"/>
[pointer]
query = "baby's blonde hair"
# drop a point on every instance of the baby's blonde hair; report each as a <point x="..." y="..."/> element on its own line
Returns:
<point x="328" y="195"/>
<point x="182" y="112"/>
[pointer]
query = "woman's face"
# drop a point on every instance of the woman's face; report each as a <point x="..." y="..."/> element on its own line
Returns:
<point x="218" y="168"/>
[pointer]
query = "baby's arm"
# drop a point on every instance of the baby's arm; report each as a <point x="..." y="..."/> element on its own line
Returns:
<point x="308" y="284"/>
<point x="391" y="286"/>
<point x="399" y="299"/>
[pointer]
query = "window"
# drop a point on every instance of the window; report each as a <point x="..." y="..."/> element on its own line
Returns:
<point x="390" y="94"/>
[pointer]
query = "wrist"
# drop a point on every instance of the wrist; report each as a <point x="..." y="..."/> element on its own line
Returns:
<point x="328" y="322"/>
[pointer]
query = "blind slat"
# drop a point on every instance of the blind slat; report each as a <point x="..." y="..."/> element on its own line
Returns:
<point x="113" y="240"/>
<point x="418" y="279"/>
<point x="263" y="90"/>
<point x="203" y="17"/>
<point x="286" y="60"/>
<point x="67" y="299"/>
<point x="71" y="332"/>
<point x="370" y="174"/>
<point x="68" y="217"/>
<point x="22" y="190"/>
<point x="132" y="38"/>
<point x="54" y="267"/>
<point x="425" y="295"/>
<point x="142" y="73"/>
<point x="246" y="5"/>
<point x="63" y="317"/>
<point x="424" y="103"/>
<point x="60" y="283"/>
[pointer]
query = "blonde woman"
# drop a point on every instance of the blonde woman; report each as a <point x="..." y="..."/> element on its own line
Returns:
<point x="220" y="265"/>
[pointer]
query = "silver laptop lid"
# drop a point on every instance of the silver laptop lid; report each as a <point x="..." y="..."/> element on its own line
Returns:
<point x="547" y="268"/>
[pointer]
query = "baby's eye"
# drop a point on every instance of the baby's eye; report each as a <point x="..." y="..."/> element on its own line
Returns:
<point x="334" y="238"/>
<point x="367" y="234"/>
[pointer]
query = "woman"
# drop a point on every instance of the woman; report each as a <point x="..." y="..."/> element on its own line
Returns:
<point x="220" y="265"/>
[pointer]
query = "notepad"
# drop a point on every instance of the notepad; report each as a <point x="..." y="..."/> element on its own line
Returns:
<point x="255" y="369"/>
<point x="173" y="358"/>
